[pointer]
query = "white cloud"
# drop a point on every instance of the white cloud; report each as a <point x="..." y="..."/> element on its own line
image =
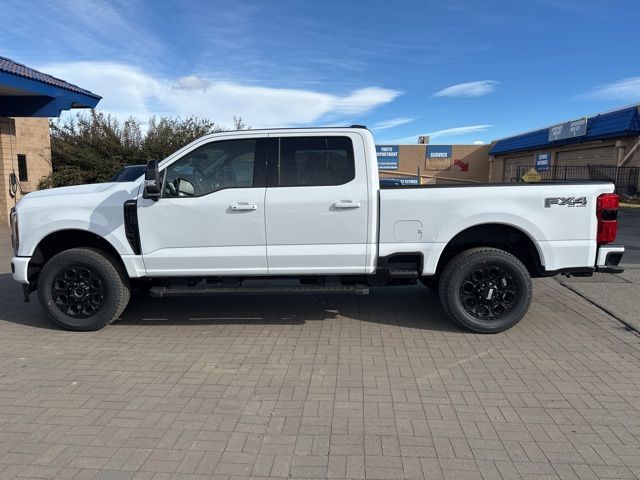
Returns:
<point x="627" y="89"/>
<point x="468" y="89"/>
<point x="392" y="122"/>
<point x="192" y="82"/>
<point x="447" y="132"/>
<point x="450" y="132"/>
<point x="129" y="91"/>
<point x="364" y="99"/>
<point x="478" y="142"/>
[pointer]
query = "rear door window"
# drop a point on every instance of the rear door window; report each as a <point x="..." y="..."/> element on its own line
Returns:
<point x="315" y="161"/>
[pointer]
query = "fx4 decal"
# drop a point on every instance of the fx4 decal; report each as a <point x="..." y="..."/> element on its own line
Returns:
<point x="566" y="201"/>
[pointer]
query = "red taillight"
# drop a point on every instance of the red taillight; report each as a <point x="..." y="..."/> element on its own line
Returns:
<point x="607" y="213"/>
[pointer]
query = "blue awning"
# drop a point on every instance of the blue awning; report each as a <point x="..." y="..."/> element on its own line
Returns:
<point x="618" y="123"/>
<point x="25" y="92"/>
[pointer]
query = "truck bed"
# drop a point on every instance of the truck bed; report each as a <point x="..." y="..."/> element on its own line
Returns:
<point x="424" y="218"/>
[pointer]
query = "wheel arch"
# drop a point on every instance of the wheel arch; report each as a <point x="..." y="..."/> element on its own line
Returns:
<point x="61" y="240"/>
<point x="504" y="236"/>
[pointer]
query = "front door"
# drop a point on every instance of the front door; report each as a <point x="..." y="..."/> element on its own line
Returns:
<point x="210" y="218"/>
<point x="317" y="205"/>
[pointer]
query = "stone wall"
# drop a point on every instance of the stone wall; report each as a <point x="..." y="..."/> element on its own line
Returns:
<point x="30" y="137"/>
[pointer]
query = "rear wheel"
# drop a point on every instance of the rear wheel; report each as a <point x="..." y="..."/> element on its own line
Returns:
<point x="486" y="289"/>
<point x="83" y="289"/>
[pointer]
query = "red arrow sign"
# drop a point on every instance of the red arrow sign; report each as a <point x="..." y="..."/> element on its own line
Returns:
<point x="464" y="166"/>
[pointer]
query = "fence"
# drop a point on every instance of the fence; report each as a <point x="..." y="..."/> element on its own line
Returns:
<point x="624" y="178"/>
<point x="400" y="179"/>
<point x="403" y="178"/>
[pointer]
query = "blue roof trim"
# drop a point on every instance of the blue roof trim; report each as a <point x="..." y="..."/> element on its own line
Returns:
<point x="606" y="125"/>
<point x="9" y="66"/>
<point x="38" y="94"/>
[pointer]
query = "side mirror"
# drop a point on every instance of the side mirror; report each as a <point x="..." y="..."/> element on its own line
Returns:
<point x="152" y="183"/>
<point x="13" y="185"/>
<point x="185" y="188"/>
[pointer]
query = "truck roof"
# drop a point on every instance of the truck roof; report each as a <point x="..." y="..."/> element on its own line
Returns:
<point x="296" y="129"/>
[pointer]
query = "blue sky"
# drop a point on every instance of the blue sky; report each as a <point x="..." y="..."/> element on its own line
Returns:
<point x="462" y="71"/>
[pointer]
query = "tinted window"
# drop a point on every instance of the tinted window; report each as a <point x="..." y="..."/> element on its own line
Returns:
<point x="129" y="174"/>
<point x="314" y="161"/>
<point x="212" y="167"/>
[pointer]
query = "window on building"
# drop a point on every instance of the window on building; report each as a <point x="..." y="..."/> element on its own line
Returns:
<point x="22" y="168"/>
<point x="315" y="161"/>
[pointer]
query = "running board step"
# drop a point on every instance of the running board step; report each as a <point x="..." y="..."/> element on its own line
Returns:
<point x="160" y="292"/>
<point x="401" y="273"/>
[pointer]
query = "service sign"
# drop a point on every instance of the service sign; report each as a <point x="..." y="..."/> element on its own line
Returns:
<point x="543" y="162"/>
<point x="387" y="157"/>
<point x="439" y="157"/>
<point x="577" y="128"/>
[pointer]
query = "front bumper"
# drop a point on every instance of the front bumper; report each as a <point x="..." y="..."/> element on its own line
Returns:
<point x="19" y="268"/>
<point x="609" y="257"/>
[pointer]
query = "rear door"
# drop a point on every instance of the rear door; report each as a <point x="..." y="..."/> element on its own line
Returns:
<point x="317" y="204"/>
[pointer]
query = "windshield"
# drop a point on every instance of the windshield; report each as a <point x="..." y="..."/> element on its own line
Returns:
<point x="128" y="174"/>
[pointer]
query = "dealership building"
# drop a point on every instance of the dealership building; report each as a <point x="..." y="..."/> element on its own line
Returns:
<point x="28" y="98"/>
<point x="605" y="146"/>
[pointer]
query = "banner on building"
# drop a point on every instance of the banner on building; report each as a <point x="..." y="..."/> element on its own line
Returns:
<point x="576" y="128"/>
<point x="387" y="157"/>
<point x="438" y="157"/>
<point x="543" y="162"/>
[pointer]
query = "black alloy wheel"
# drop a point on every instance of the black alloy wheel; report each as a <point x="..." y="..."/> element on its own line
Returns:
<point x="485" y="289"/>
<point x="83" y="288"/>
<point x="488" y="292"/>
<point x="78" y="291"/>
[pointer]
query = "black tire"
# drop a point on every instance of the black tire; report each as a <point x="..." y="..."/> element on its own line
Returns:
<point x="486" y="290"/>
<point x="83" y="289"/>
<point x="432" y="283"/>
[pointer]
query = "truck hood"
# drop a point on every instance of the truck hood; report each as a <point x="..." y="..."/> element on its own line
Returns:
<point x="73" y="190"/>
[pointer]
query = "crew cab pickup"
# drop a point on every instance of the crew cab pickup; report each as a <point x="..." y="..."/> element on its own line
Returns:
<point x="305" y="205"/>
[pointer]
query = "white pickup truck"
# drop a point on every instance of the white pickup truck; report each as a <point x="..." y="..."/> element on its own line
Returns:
<point x="305" y="205"/>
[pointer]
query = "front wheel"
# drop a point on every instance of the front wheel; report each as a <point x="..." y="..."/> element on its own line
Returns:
<point x="83" y="289"/>
<point x="486" y="290"/>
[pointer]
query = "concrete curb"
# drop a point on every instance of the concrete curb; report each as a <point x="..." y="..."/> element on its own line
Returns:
<point x="629" y="323"/>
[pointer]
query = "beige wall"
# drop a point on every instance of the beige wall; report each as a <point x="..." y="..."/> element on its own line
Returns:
<point x="28" y="136"/>
<point x="410" y="157"/>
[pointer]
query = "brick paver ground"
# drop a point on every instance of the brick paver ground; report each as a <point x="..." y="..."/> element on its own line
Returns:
<point x="318" y="387"/>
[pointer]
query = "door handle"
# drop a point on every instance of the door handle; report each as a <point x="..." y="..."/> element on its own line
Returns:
<point x="347" y="204"/>
<point x="243" y="206"/>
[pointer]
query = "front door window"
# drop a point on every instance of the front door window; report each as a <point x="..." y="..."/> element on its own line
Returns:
<point x="210" y="168"/>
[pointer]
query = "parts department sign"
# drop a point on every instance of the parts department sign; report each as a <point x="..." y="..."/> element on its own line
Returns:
<point x="439" y="157"/>
<point x="387" y="157"/>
